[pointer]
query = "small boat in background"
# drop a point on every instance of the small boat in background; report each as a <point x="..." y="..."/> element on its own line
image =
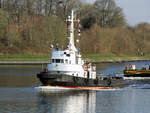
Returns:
<point x="131" y="72"/>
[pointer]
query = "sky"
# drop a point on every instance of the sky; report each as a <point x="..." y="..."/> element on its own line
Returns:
<point x="135" y="11"/>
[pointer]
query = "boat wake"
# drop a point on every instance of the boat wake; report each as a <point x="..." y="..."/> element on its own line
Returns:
<point x="141" y="86"/>
<point x="136" y="78"/>
<point x="61" y="88"/>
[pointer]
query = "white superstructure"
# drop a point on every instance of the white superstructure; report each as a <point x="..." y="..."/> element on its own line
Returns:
<point x="69" y="61"/>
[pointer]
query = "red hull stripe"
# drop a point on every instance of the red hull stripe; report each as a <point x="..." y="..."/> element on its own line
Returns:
<point x="87" y="88"/>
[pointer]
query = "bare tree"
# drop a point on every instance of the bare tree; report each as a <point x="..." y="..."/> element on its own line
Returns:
<point x="63" y="7"/>
<point x="0" y="4"/>
<point x="107" y="14"/>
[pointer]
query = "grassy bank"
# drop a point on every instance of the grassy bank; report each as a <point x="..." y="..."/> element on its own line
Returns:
<point x="25" y="57"/>
<point x="113" y="58"/>
<point x="89" y="57"/>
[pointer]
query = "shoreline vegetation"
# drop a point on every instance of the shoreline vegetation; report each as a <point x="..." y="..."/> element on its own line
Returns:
<point x="97" y="58"/>
<point x="29" y="27"/>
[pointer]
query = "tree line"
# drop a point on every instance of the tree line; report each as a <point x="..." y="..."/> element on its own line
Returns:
<point x="31" y="26"/>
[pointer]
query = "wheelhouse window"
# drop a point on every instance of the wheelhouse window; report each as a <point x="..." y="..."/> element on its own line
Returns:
<point x="53" y="60"/>
<point x="57" y="61"/>
<point x="66" y="61"/>
<point x="70" y="62"/>
<point x="62" y="60"/>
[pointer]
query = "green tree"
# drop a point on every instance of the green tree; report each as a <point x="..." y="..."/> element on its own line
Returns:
<point x="105" y="13"/>
<point x="87" y="16"/>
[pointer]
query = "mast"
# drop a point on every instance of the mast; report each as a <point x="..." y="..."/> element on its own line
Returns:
<point x="71" y="30"/>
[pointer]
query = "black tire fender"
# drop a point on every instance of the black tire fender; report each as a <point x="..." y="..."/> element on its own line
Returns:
<point x="108" y="81"/>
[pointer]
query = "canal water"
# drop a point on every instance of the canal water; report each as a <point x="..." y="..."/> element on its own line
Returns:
<point x="18" y="93"/>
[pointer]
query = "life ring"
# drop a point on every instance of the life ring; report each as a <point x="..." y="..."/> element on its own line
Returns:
<point x="94" y="68"/>
<point x="85" y="67"/>
<point x="85" y="73"/>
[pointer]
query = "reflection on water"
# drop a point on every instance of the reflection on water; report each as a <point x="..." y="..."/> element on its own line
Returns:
<point x="68" y="102"/>
<point x="27" y="100"/>
<point x="17" y="94"/>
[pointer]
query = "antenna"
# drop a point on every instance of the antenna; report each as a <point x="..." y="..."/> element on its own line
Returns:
<point x="70" y="28"/>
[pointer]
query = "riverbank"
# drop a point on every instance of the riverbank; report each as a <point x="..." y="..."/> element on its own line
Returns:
<point x="24" y="57"/>
<point x="113" y="58"/>
<point x="89" y="57"/>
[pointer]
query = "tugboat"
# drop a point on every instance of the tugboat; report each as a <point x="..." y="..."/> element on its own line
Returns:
<point x="131" y="72"/>
<point x="68" y="70"/>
